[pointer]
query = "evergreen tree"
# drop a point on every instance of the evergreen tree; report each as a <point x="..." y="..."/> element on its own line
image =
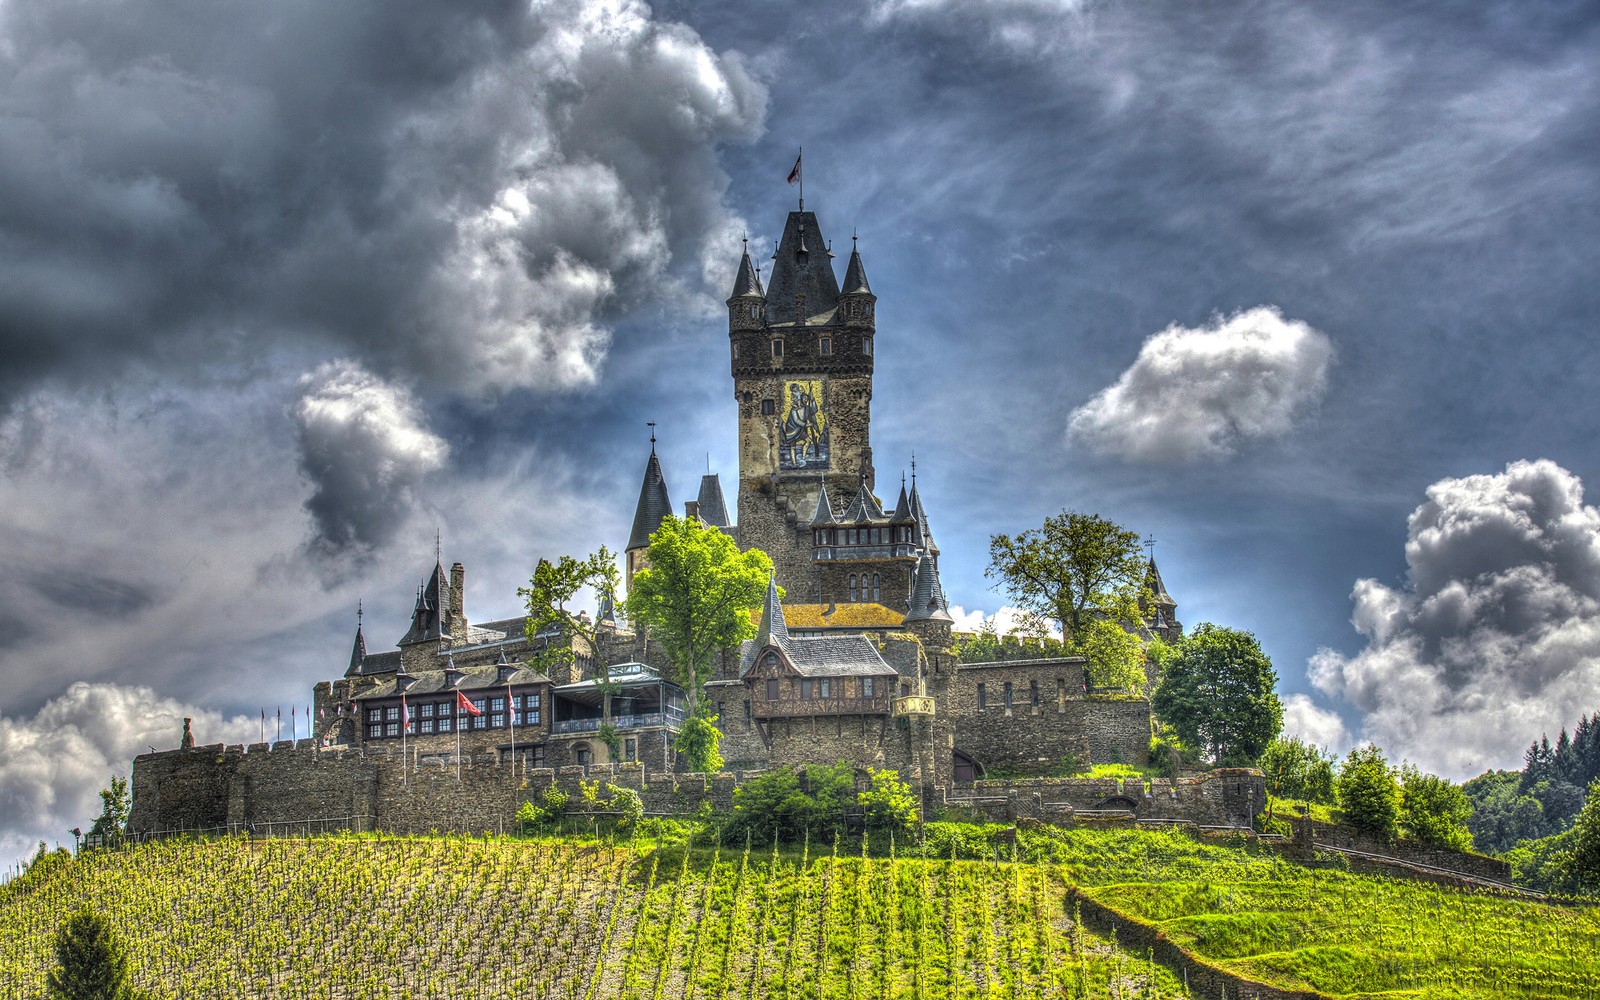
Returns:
<point x="1564" y="762"/>
<point x="1538" y="764"/>
<point x="1581" y="863"/>
<point x="92" y="963"/>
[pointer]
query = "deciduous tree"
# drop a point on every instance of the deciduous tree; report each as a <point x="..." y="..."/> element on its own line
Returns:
<point x="1297" y="770"/>
<point x="112" y="824"/>
<point x="1433" y="810"/>
<point x="1369" y="795"/>
<point x="695" y="598"/>
<point x="547" y="594"/>
<point x="1075" y="569"/>
<point x="1218" y="693"/>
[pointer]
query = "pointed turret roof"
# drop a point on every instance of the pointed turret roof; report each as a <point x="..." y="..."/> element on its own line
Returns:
<point x="607" y="612"/>
<point x="824" y="514"/>
<point x="426" y="621"/>
<point x="863" y="506"/>
<point x="802" y="266"/>
<point x="774" y="631"/>
<point x="358" y="653"/>
<point x="902" y="509"/>
<point x="1154" y="584"/>
<point x="746" y="282"/>
<point x="927" y="596"/>
<point x="713" y="506"/>
<point x="855" y="276"/>
<point x="921" y="514"/>
<point x="654" y="504"/>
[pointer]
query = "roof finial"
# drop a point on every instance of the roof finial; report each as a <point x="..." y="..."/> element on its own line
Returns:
<point x="852" y="239"/>
<point x="708" y="463"/>
<point x="1150" y="547"/>
<point x="436" y="549"/>
<point x="652" y="425"/>
<point x="358" y="613"/>
<point x="913" y="470"/>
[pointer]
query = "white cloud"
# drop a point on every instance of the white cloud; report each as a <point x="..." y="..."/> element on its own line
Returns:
<point x="1199" y="393"/>
<point x="1495" y="636"/>
<point x="53" y="765"/>
<point x="1317" y="726"/>
<point x="1006" y="621"/>
<point x="366" y="449"/>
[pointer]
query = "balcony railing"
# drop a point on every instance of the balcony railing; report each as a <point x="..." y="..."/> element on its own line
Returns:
<point x="793" y="707"/>
<point x="672" y="719"/>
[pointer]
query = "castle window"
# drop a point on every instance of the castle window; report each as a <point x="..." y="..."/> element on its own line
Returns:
<point x="720" y="712"/>
<point x="777" y="348"/>
<point x="905" y="688"/>
<point x="747" y="712"/>
<point x="824" y="688"/>
<point x="497" y="720"/>
<point x="866" y="346"/>
<point x="426" y="710"/>
<point x="374" y="731"/>
<point x="877" y="590"/>
<point x="1061" y="692"/>
<point x="444" y="724"/>
<point x="983" y="698"/>
<point x="852" y="586"/>
<point x="580" y="753"/>
<point x="392" y="729"/>
<point x="497" y="704"/>
<point x="866" y="687"/>
<point x="630" y="750"/>
<point x="1008" y="694"/>
<point x="1033" y="693"/>
<point x="535" y="756"/>
<point x="805" y="690"/>
<point x="769" y="407"/>
<point x="772" y="689"/>
<point x="392" y="712"/>
<point x="427" y="725"/>
<point x="825" y="347"/>
<point x="735" y="350"/>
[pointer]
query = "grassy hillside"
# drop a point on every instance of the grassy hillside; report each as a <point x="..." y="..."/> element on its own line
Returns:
<point x="345" y="917"/>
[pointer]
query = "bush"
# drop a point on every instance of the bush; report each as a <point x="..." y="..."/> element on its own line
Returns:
<point x="890" y="803"/>
<point x="700" y="740"/>
<point x="1297" y="770"/>
<point x="628" y="804"/>
<point x="552" y="806"/>
<point x="786" y="804"/>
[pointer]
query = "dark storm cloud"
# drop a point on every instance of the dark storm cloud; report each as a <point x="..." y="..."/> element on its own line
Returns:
<point x="463" y="192"/>
<point x="96" y="595"/>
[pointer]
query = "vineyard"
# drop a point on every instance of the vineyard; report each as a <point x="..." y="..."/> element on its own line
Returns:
<point x="362" y="918"/>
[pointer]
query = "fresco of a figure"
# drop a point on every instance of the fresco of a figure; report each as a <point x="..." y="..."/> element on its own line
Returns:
<point x="803" y="426"/>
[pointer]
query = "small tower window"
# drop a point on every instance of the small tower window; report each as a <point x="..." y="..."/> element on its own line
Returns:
<point x="877" y="591"/>
<point x="852" y="586"/>
<point x="736" y="350"/>
<point x="825" y="348"/>
<point x="769" y="407"/>
<point x="866" y="346"/>
<point x="777" y="348"/>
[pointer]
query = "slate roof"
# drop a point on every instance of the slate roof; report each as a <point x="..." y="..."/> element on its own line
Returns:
<point x="386" y="662"/>
<point x="713" y="506"/>
<point x="479" y="678"/>
<point x="358" y="654"/>
<point x="812" y="656"/>
<point x="803" y="265"/>
<point x="824" y="514"/>
<point x="1154" y="584"/>
<point x="855" y="276"/>
<point x="425" y="616"/>
<point x="863" y="615"/>
<point x="902" y="509"/>
<point x="746" y="282"/>
<point x="654" y="504"/>
<point x="863" y="506"/>
<point x="927" y="597"/>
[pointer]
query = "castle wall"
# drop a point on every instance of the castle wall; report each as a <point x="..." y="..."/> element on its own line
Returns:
<point x="1228" y="797"/>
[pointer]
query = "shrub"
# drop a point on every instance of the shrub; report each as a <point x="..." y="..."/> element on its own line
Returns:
<point x="552" y="806"/>
<point x="1297" y="770"/>
<point x="1434" y="811"/>
<point x="890" y="803"/>
<point x="785" y="804"/>
<point x="699" y="741"/>
<point x="627" y="803"/>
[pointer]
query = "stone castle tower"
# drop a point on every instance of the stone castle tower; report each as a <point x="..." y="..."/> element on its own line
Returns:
<point x="801" y="352"/>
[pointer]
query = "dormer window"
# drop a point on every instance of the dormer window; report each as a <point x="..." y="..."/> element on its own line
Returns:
<point x="825" y="347"/>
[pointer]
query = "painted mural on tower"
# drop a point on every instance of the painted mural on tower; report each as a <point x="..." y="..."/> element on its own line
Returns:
<point x="803" y="425"/>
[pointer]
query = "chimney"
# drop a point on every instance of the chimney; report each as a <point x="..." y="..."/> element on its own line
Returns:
<point x="691" y="510"/>
<point x="458" y="613"/>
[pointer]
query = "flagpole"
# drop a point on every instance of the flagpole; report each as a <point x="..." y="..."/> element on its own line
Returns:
<point x="458" y="734"/>
<point x="405" y="723"/>
<point x="511" y="708"/>
<point x="800" y="178"/>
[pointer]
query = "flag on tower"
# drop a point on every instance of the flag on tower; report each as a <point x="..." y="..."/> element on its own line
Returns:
<point x="405" y="714"/>
<point x="794" y="175"/>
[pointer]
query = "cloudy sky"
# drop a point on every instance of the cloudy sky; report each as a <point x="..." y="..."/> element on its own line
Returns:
<point x="1303" y="290"/>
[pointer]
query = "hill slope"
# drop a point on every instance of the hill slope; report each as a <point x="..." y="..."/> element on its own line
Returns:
<point x="362" y="919"/>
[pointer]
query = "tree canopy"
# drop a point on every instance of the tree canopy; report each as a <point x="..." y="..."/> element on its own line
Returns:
<point x="1297" y="770"/>
<point x="1433" y="810"/>
<point x="112" y="824"/>
<point x="91" y="960"/>
<point x="547" y="594"/>
<point x="695" y="597"/>
<point x="1369" y="795"/>
<point x="1076" y="569"/>
<point x="1218" y="693"/>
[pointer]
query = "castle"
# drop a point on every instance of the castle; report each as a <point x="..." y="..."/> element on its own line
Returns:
<point x="856" y="662"/>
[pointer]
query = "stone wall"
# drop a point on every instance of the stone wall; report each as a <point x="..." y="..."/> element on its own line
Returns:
<point x="1049" y="722"/>
<point x="1325" y="835"/>
<point x="1229" y="797"/>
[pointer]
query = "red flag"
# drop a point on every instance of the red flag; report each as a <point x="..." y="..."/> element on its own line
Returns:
<point x="794" y="175"/>
<point x="467" y="706"/>
<point x="405" y="714"/>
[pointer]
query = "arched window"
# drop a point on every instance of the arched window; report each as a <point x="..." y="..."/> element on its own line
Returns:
<point x="877" y="592"/>
<point x="852" y="586"/>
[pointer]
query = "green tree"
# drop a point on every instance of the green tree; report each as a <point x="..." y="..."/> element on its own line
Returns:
<point x="1297" y="770"/>
<point x="786" y="804"/>
<point x="890" y="803"/>
<point x="1369" y="795"/>
<point x="1579" y="865"/>
<point x="91" y="961"/>
<point x="552" y="586"/>
<point x="1433" y="810"/>
<point x="111" y="826"/>
<point x="695" y="597"/>
<point x="699" y="740"/>
<point x="1217" y="693"/>
<point x="1076" y="569"/>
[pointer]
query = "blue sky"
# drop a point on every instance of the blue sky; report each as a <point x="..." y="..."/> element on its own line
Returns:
<point x="1303" y="291"/>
